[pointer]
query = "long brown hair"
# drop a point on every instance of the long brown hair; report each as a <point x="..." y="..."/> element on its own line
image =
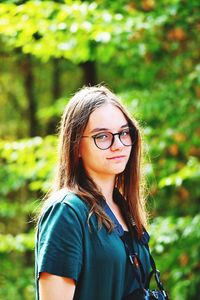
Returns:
<point x="70" y="172"/>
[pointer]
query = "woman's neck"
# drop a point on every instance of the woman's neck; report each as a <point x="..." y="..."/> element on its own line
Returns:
<point x="106" y="187"/>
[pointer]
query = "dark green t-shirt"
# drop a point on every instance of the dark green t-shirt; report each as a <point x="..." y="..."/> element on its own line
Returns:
<point x="96" y="259"/>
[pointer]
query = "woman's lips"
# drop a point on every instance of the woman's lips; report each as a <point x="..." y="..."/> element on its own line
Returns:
<point x="116" y="157"/>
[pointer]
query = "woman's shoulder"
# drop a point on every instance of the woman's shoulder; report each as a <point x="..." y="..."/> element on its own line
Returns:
<point x="74" y="201"/>
<point x="63" y="201"/>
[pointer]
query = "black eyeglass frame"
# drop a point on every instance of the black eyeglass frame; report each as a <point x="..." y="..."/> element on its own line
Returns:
<point x="133" y="133"/>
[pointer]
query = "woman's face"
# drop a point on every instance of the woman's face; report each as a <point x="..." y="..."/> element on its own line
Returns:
<point x="112" y="161"/>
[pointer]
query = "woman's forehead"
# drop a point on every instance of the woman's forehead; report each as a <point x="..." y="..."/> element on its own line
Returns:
<point x="107" y="117"/>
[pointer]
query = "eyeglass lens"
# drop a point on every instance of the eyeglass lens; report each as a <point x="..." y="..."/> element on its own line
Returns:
<point x="105" y="140"/>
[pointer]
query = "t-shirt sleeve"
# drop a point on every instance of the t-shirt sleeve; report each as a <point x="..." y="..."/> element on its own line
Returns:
<point x="59" y="242"/>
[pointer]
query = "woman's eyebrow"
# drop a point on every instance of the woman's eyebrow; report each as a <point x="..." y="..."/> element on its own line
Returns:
<point x="105" y="129"/>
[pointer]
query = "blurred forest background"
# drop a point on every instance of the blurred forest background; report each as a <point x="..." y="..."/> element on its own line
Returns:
<point x="148" y="53"/>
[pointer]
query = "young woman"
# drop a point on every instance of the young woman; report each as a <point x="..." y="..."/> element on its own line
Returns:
<point x="95" y="209"/>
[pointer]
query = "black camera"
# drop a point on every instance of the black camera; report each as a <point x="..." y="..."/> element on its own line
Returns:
<point x="143" y="294"/>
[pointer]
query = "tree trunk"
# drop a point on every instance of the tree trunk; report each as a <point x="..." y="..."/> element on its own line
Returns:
<point x="27" y="70"/>
<point x="89" y="73"/>
<point x="56" y="86"/>
<point x="89" y="67"/>
<point x="56" y="93"/>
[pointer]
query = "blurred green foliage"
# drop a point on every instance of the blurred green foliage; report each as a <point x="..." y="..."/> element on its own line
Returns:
<point x="176" y="248"/>
<point x="148" y="52"/>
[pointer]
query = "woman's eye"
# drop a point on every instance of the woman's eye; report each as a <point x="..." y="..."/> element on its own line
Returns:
<point x="102" y="136"/>
<point x="125" y="132"/>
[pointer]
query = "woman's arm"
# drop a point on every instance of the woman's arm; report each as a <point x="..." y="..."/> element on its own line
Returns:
<point x="52" y="287"/>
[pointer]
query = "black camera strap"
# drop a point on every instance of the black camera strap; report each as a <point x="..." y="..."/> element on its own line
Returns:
<point x="132" y="254"/>
<point x="137" y="265"/>
<point x="133" y="257"/>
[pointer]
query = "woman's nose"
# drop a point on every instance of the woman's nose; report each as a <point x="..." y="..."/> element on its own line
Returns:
<point x="117" y="144"/>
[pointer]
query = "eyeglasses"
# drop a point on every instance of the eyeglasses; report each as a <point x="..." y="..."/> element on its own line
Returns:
<point x="105" y="140"/>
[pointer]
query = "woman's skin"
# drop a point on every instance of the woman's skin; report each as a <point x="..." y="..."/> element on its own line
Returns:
<point x="52" y="287"/>
<point x="102" y="166"/>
